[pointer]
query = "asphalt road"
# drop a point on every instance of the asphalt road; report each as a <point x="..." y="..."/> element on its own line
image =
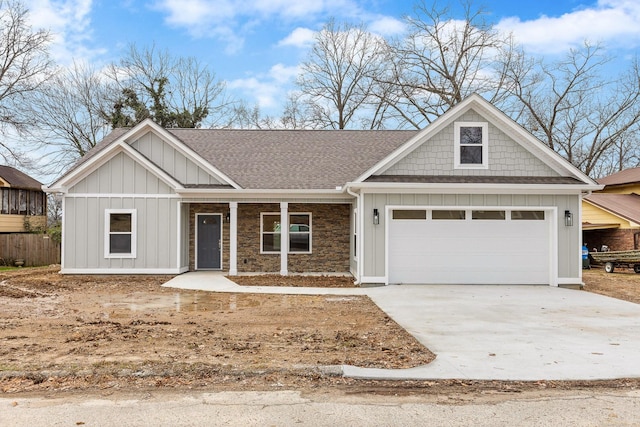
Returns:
<point x="286" y="408"/>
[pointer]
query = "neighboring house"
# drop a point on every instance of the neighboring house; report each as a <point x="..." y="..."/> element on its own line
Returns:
<point x="473" y="198"/>
<point x="23" y="204"/>
<point x="611" y="217"/>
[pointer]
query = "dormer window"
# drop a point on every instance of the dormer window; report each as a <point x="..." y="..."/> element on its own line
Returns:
<point x="471" y="145"/>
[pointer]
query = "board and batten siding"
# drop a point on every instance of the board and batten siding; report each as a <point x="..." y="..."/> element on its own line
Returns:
<point x="374" y="235"/>
<point x="121" y="183"/>
<point x="156" y="236"/>
<point x="506" y="156"/>
<point x="121" y="175"/>
<point x="172" y="161"/>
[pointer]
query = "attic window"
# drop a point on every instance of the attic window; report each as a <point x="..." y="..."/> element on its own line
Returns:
<point x="471" y="145"/>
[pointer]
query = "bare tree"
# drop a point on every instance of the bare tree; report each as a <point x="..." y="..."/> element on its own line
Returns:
<point x="336" y="79"/>
<point x="576" y="112"/>
<point x="24" y="66"/>
<point x="443" y="60"/>
<point x="71" y="115"/>
<point x="174" y="91"/>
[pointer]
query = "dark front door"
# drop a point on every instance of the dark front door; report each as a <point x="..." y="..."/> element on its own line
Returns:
<point x="209" y="241"/>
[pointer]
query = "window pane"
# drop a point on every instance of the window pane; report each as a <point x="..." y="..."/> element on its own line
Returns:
<point x="299" y="220"/>
<point x="471" y="135"/>
<point x="471" y="154"/>
<point x="527" y="215"/>
<point x="299" y="242"/>
<point x="271" y="223"/>
<point x="488" y="215"/>
<point x="120" y="223"/>
<point x="409" y="214"/>
<point x="448" y="214"/>
<point x="120" y="243"/>
<point x="271" y="242"/>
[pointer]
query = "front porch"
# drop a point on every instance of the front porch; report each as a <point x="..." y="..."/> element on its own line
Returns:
<point x="239" y="238"/>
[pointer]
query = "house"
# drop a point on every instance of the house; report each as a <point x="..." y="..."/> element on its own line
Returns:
<point x="23" y="203"/>
<point x="611" y="216"/>
<point x="472" y="198"/>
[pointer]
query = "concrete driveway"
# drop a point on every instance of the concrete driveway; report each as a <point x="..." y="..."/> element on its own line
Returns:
<point x="514" y="332"/>
<point x="492" y="332"/>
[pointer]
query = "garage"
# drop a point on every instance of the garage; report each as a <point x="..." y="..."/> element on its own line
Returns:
<point x="469" y="245"/>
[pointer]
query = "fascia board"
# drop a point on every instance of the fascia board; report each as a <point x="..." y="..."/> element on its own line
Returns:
<point x="183" y="149"/>
<point x="461" y="188"/>
<point x="264" y="193"/>
<point x="103" y="157"/>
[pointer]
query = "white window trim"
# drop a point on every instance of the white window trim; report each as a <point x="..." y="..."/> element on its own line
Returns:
<point x="107" y="233"/>
<point x="262" y="214"/>
<point x="485" y="145"/>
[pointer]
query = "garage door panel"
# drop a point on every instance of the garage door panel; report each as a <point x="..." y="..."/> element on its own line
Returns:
<point x="469" y="251"/>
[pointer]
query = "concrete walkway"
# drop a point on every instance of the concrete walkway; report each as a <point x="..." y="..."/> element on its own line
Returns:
<point x="491" y="332"/>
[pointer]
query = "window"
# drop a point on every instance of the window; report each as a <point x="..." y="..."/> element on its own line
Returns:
<point x="448" y="214"/>
<point x="471" y="145"/>
<point x="120" y="233"/>
<point x="499" y="215"/>
<point x="409" y="214"/>
<point x="299" y="233"/>
<point x="527" y="215"/>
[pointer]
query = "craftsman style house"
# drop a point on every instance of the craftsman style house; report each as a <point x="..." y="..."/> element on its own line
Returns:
<point x="23" y="204"/>
<point x="472" y="198"/>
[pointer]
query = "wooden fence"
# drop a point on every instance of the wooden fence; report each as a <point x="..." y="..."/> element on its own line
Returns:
<point x="34" y="249"/>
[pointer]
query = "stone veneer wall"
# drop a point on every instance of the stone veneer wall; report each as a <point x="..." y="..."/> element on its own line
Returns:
<point x="616" y="239"/>
<point x="330" y="238"/>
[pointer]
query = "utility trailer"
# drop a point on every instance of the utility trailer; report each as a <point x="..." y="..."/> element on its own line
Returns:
<point x="615" y="259"/>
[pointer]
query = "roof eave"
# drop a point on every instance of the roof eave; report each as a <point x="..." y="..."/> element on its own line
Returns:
<point x="472" y="188"/>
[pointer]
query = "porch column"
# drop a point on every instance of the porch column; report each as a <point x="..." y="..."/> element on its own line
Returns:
<point x="233" y="238"/>
<point x="284" y="237"/>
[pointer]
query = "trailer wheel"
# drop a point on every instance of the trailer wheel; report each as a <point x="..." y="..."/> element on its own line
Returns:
<point x="609" y="267"/>
<point x="636" y="268"/>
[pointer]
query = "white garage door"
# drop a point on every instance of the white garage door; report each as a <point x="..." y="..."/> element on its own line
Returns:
<point x="469" y="246"/>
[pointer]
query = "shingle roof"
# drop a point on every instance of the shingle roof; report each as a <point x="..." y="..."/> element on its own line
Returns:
<point x="626" y="206"/>
<point x="627" y="176"/>
<point x="18" y="179"/>
<point x="292" y="159"/>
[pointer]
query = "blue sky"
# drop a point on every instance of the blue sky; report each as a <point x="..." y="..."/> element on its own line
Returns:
<point x="257" y="45"/>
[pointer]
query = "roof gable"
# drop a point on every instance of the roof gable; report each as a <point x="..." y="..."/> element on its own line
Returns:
<point x="625" y="206"/>
<point x="430" y="152"/>
<point x="118" y="141"/>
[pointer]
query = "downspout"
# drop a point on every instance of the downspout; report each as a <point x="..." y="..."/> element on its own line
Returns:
<point x="358" y="228"/>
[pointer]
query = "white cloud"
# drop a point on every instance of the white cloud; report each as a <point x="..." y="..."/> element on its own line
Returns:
<point x="386" y="26"/>
<point x="300" y="37"/>
<point x="610" y="21"/>
<point x="227" y="19"/>
<point x="266" y="89"/>
<point x="70" y="24"/>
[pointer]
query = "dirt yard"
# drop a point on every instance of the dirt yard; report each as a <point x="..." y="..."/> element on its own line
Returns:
<point x="74" y="329"/>
<point x="110" y="333"/>
<point x="623" y="284"/>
